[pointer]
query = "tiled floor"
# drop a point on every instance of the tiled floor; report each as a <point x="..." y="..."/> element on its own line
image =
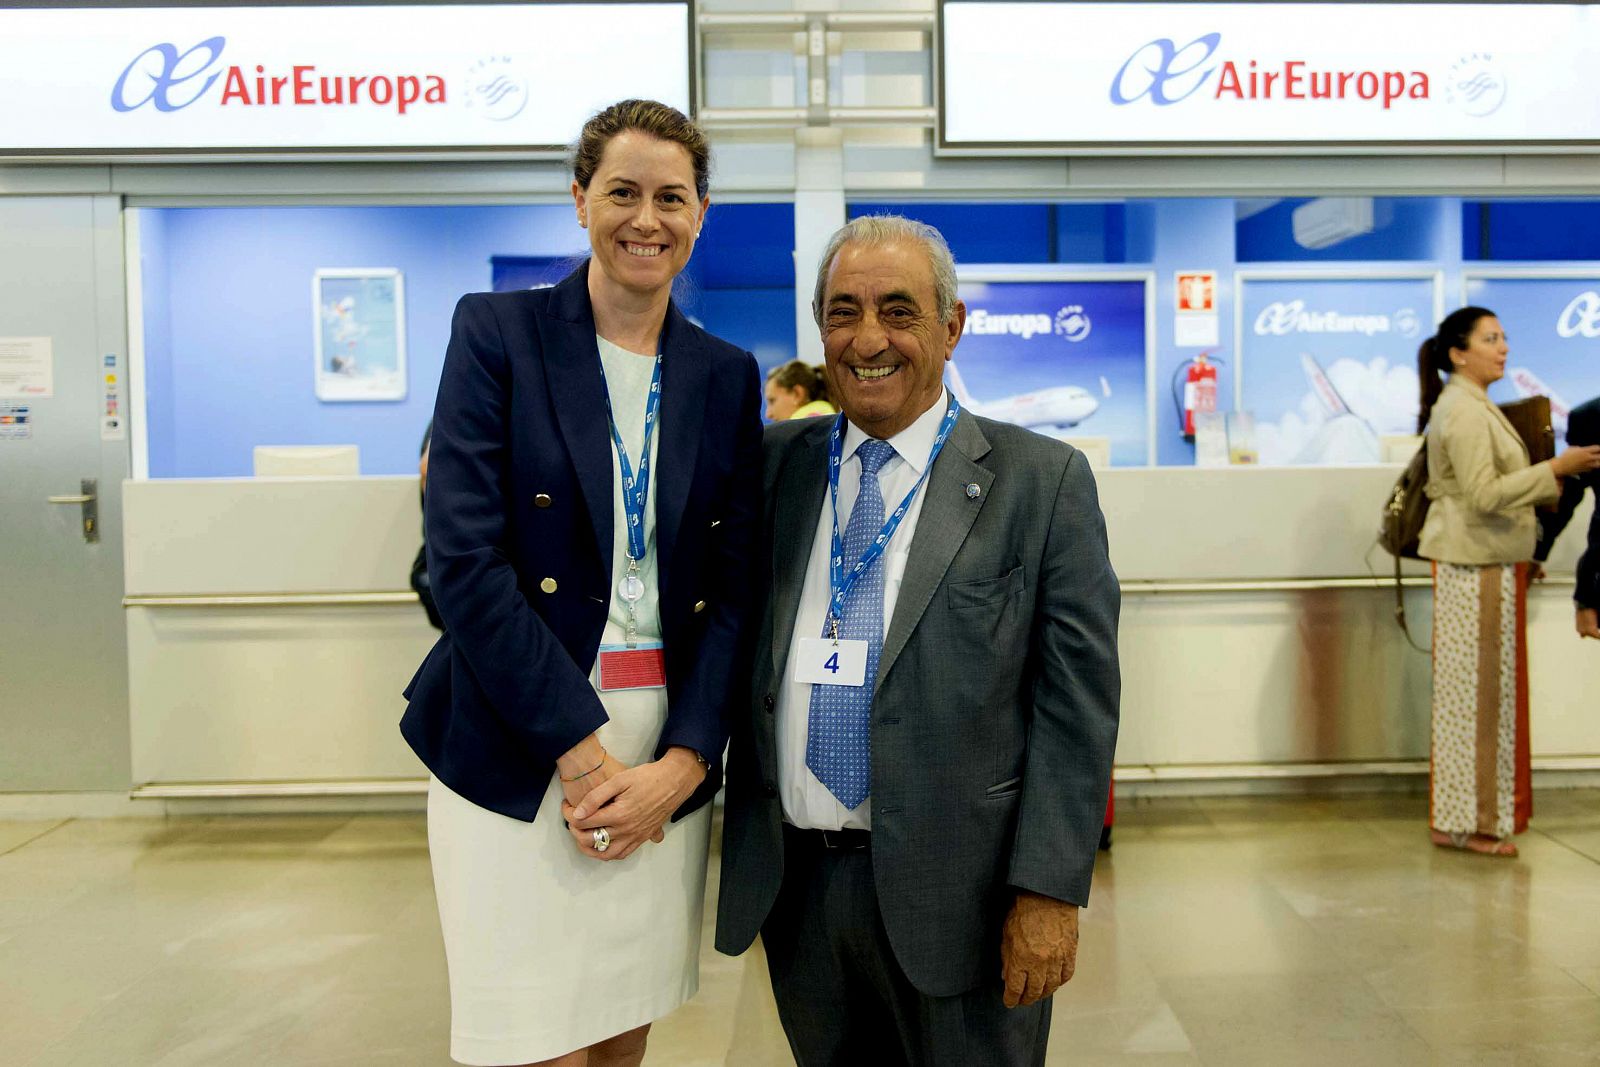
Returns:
<point x="1223" y="931"/>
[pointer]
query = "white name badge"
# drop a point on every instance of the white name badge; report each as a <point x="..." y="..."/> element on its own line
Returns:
<point x="825" y="662"/>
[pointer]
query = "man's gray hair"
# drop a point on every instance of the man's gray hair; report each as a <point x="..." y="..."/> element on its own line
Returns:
<point x="880" y="230"/>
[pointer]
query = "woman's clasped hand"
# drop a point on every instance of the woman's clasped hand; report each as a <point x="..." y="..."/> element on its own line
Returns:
<point x="630" y="804"/>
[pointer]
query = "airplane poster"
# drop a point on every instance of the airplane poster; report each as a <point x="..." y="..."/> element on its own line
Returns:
<point x="1327" y="362"/>
<point x="1065" y="355"/>
<point x="1552" y="324"/>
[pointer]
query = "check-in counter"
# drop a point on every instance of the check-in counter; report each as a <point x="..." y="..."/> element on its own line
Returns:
<point x="271" y="630"/>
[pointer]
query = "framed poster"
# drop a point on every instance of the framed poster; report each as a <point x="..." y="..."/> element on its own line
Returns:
<point x="1327" y="360"/>
<point x="1062" y="352"/>
<point x="1552" y="321"/>
<point x="359" y="328"/>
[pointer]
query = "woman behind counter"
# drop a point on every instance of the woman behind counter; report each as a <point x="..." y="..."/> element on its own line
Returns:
<point x="1480" y="533"/>
<point x="797" y="390"/>
<point x="589" y="559"/>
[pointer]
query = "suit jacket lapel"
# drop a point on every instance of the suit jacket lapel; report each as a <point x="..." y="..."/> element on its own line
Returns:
<point x="577" y="392"/>
<point x="947" y="515"/>
<point x="683" y="392"/>
<point x="800" y="493"/>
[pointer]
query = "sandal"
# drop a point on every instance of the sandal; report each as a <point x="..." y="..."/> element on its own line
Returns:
<point x="1482" y="844"/>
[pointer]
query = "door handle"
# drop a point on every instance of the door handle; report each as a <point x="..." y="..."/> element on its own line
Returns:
<point x="87" y="498"/>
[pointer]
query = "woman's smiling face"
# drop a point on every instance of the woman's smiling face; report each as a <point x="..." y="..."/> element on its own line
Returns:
<point x="641" y="211"/>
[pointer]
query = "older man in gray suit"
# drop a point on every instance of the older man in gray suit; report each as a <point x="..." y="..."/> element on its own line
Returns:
<point x="914" y="800"/>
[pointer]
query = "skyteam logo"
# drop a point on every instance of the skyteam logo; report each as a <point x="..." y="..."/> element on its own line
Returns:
<point x="1164" y="72"/>
<point x="1476" y="85"/>
<point x="166" y="78"/>
<point x="1072" y="322"/>
<point x="496" y="89"/>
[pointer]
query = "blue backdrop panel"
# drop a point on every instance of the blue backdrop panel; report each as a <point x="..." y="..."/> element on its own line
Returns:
<point x="1530" y="230"/>
<point x="1553" y="328"/>
<point x="1407" y="228"/>
<point x="760" y="320"/>
<point x="1329" y="365"/>
<point x="229" y="327"/>
<point x="509" y="273"/>
<point x="978" y="232"/>
<point x="1061" y="357"/>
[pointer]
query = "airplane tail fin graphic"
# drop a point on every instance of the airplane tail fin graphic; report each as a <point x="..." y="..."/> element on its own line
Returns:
<point x="1105" y="386"/>
<point x="1331" y="400"/>
<point x="957" y="385"/>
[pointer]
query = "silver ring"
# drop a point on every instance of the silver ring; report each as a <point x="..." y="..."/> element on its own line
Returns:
<point x="602" y="839"/>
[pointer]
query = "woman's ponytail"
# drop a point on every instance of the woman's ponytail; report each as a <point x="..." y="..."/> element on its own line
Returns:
<point x="1432" y="383"/>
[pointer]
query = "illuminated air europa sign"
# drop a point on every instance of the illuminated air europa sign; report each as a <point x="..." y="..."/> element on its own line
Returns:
<point x="1058" y="77"/>
<point x="255" y="79"/>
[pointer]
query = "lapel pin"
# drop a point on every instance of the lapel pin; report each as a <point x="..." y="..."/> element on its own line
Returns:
<point x="973" y="490"/>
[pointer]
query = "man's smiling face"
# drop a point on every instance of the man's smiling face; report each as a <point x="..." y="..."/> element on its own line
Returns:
<point x="884" y="344"/>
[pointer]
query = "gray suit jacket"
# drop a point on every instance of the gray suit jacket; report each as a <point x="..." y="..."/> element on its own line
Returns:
<point x="995" y="713"/>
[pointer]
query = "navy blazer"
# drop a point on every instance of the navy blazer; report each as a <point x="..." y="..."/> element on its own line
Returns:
<point x="1583" y="428"/>
<point x="519" y="531"/>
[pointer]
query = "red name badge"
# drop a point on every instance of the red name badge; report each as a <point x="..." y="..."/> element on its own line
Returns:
<point x="644" y="667"/>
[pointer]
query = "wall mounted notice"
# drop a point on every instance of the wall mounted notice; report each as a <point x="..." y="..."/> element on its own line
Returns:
<point x="1055" y="77"/>
<point x="1195" y="324"/>
<point x="16" y="422"/>
<point x="114" y="410"/>
<point x="234" y="78"/>
<point x="27" y="368"/>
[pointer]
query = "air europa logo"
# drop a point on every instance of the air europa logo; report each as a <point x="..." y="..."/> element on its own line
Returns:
<point x="170" y="80"/>
<point x="1581" y="318"/>
<point x="1285" y="317"/>
<point x="1166" y="74"/>
<point x="1070" y="322"/>
<point x="983" y="322"/>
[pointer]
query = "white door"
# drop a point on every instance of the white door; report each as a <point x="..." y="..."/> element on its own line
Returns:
<point x="63" y="645"/>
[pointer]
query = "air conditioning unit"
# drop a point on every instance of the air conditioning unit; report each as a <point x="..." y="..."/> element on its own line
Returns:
<point x="1331" y="219"/>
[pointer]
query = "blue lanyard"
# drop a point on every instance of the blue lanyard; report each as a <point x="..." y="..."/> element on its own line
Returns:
<point x="840" y="583"/>
<point x="635" y="491"/>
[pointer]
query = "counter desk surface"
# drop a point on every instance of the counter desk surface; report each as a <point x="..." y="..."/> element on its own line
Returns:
<point x="271" y="627"/>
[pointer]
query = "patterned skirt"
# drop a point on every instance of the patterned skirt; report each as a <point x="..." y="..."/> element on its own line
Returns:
<point x="1481" y="781"/>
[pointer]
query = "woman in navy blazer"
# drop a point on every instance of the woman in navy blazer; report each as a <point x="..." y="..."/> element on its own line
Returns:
<point x="564" y="943"/>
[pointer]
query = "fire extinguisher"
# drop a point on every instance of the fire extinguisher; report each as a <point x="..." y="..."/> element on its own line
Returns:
<point x="1199" y="392"/>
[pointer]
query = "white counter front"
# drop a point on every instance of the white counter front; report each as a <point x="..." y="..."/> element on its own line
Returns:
<point x="271" y="629"/>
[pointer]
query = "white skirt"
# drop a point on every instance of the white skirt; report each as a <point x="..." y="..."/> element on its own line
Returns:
<point x="549" y="950"/>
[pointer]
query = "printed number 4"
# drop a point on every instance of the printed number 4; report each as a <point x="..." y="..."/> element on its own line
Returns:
<point x="832" y="664"/>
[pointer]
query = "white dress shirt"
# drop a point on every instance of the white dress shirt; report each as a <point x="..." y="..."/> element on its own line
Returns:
<point x="806" y="801"/>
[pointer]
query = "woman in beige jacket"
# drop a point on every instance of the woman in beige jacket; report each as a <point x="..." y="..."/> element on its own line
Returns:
<point x="1480" y="533"/>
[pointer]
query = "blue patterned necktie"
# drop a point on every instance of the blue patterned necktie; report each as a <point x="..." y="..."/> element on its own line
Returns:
<point x="839" y="739"/>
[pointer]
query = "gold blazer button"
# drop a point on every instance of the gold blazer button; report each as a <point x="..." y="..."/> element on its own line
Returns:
<point x="548" y="585"/>
<point x="699" y="606"/>
<point x="542" y="500"/>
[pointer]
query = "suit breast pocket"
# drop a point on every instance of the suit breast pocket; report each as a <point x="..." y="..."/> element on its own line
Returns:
<point x="985" y="592"/>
